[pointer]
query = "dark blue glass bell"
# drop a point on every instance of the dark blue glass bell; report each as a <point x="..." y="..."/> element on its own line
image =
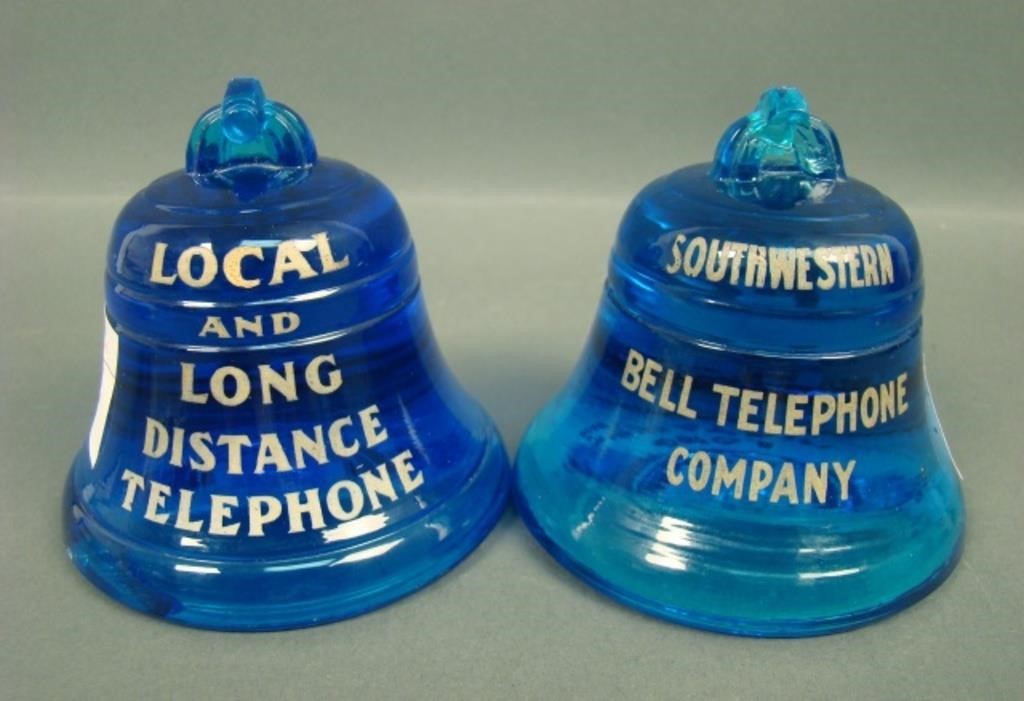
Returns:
<point x="748" y="443"/>
<point x="278" y="442"/>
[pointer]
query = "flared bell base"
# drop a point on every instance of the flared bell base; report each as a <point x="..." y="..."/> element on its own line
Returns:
<point x="730" y="575"/>
<point x="302" y="589"/>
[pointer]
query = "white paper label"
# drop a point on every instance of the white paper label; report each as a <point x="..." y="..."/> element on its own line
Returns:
<point x="108" y="376"/>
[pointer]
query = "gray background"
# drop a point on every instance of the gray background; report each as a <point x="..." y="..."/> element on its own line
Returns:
<point x="514" y="135"/>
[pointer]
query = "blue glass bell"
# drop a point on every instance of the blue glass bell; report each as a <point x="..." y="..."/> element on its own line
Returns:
<point x="278" y="442"/>
<point x="748" y="443"/>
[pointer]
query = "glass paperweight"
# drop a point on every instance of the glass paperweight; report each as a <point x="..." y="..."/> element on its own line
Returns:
<point x="278" y="442"/>
<point x="748" y="443"/>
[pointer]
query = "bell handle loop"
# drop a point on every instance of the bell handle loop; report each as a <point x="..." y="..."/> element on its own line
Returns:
<point x="249" y="144"/>
<point x="779" y="154"/>
<point x="242" y="110"/>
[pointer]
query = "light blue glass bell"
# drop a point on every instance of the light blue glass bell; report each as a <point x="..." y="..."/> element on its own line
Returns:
<point x="748" y="443"/>
<point x="278" y="442"/>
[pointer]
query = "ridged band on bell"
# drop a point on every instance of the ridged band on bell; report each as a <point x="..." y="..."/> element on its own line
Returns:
<point x="748" y="443"/>
<point x="278" y="441"/>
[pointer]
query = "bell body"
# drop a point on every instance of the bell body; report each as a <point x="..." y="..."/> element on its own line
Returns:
<point x="278" y="441"/>
<point x="748" y="443"/>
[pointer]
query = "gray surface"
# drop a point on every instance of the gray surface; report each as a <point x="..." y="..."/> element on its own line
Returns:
<point x="514" y="139"/>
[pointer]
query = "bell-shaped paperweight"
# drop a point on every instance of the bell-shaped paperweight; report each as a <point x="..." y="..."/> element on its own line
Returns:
<point x="748" y="443"/>
<point x="278" y="442"/>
